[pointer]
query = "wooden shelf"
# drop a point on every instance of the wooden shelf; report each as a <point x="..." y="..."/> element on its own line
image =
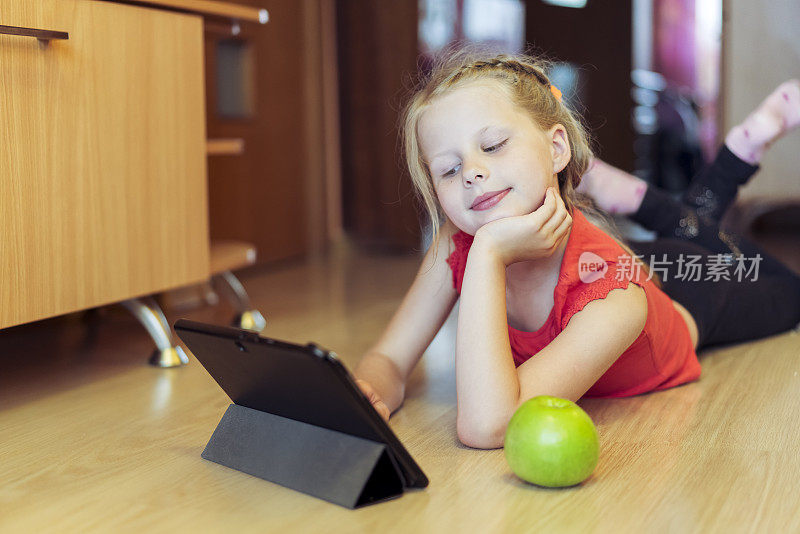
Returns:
<point x="227" y="255"/>
<point x="211" y="7"/>
<point x="225" y="147"/>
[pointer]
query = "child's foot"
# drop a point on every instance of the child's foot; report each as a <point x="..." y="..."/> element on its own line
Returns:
<point x="777" y="115"/>
<point x="613" y="189"/>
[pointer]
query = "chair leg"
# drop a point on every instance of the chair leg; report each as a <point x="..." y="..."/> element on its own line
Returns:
<point x="246" y="318"/>
<point x="148" y="312"/>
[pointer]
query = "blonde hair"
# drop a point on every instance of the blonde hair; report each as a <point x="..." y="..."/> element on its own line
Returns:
<point x="525" y="79"/>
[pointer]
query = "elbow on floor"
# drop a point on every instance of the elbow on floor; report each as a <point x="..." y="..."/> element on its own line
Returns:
<point x="480" y="438"/>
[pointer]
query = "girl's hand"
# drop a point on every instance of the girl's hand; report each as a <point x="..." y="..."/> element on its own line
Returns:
<point x="374" y="398"/>
<point x="528" y="237"/>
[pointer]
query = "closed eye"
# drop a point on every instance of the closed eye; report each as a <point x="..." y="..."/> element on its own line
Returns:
<point x="451" y="172"/>
<point x="495" y="148"/>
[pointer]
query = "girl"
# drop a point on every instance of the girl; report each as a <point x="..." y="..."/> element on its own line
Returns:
<point x="551" y="300"/>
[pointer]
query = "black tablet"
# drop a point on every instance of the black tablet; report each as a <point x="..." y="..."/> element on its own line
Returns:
<point x="304" y="383"/>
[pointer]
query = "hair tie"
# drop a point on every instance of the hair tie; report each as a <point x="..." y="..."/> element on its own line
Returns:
<point x="556" y="92"/>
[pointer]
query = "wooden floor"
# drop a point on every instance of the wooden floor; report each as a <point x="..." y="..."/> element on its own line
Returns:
<point x="93" y="439"/>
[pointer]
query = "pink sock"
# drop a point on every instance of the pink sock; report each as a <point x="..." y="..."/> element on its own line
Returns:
<point x="777" y="115"/>
<point x="613" y="189"/>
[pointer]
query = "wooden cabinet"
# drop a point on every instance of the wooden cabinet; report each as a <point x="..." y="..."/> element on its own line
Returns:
<point x="282" y="193"/>
<point x="102" y="156"/>
<point x="377" y="44"/>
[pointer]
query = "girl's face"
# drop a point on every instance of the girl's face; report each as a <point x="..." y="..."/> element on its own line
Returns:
<point x="476" y="141"/>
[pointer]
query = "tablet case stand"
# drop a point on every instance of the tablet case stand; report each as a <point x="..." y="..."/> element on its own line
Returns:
<point x="334" y="466"/>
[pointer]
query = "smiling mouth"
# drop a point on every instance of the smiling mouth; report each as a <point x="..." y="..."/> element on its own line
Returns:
<point x="491" y="201"/>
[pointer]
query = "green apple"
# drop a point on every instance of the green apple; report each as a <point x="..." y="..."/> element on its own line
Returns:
<point x="551" y="442"/>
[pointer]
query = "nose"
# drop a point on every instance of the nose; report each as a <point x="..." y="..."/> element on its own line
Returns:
<point x="475" y="173"/>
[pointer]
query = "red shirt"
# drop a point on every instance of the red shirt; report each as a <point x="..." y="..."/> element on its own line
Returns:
<point x="661" y="357"/>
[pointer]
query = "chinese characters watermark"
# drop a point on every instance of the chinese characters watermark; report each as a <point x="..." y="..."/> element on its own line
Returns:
<point x="687" y="267"/>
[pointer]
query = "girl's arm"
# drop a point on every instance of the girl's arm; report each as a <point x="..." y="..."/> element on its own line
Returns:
<point x="425" y="307"/>
<point x="490" y="388"/>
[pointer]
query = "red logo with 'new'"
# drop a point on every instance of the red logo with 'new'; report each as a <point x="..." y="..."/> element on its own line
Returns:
<point x="591" y="267"/>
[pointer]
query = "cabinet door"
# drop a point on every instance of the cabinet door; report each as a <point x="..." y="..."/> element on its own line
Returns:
<point x="102" y="157"/>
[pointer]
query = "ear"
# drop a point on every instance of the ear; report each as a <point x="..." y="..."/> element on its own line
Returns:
<point x="559" y="147"/>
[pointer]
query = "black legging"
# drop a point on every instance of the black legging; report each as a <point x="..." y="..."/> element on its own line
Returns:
<point x="726" y="311"/>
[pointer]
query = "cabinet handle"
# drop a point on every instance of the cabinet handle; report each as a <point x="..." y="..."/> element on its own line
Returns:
<point x="44" y="35"/>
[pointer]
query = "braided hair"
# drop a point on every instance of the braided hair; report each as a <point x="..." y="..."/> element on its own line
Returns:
<point x="506" y="63"/>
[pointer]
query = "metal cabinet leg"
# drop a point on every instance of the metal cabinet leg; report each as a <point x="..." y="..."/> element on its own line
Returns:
<point x="246" y="317"/>
<point x="148" y="312"/>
